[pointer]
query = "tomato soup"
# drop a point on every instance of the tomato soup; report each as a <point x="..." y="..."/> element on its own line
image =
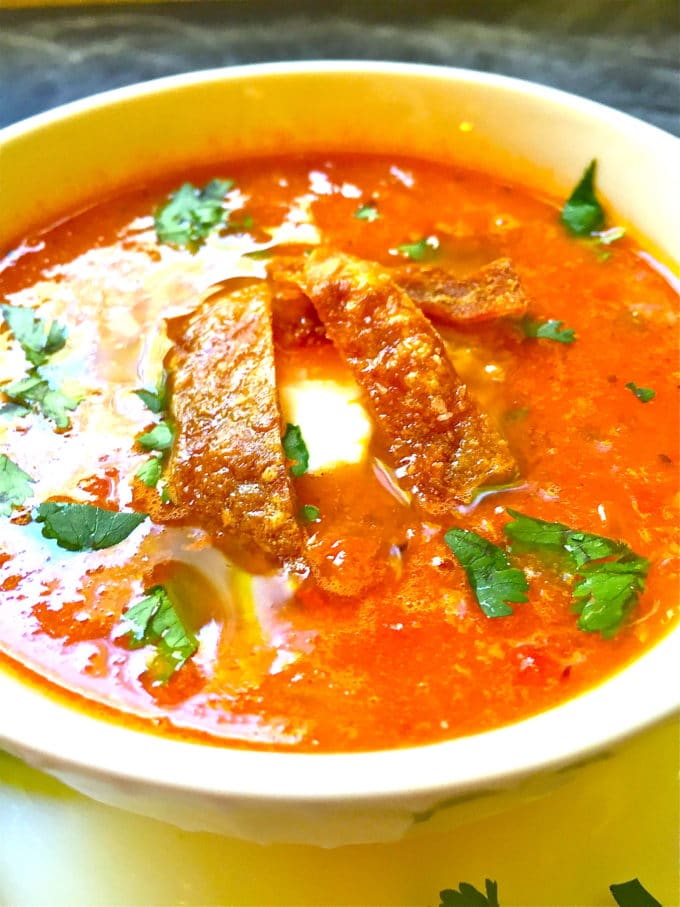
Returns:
<point x="257" y="489"/>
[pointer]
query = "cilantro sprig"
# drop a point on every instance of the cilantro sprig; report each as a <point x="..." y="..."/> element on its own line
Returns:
<point x="159" y="439"/>
<point x="309" y="513"/>
<point x="493" y="579"/>
<point x="192" y="214"/>
<point x="38" y="340"/>
<point x="547" y="330"/>
<point x="155" y="621"/>
<point x="149" y="473"/>
<point x="83" y="527"/>
<point x="15" y="485"/>
<point x="466" y="895"/>
<point x="633" y="894"/>
<point x="611" y="575"/>
<point x="422" y="250"/>
<point x="157" y="399"/>
<point x="626" y="894"/>
<point x="582" y="213"/>
<point x="35" y="391"/>
<point x="295" y="449"/>
<point x="643" y="394"/>
<point x="368" y="212"/>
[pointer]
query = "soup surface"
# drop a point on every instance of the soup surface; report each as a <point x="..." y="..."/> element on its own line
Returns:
<point x="382" y="595"/>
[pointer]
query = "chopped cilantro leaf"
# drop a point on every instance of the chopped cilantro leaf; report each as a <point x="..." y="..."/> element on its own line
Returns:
<point x="548" y="330"/>
<point x="367" y="212"/>
<point x="150" y="472"/>
<point x="295" y="449"/>
<point x="15" y="485"/>
<point x="494" y="581"/>
<point x="51" y="402"/>
<point x="644" y="394"/>
<point x="633" y="894"/>
<point x="191" y="213"/>
<point x="309" y="513"/>
<point x="160" y="437"/>
<point x="604" y="596"/>
<point x="154" y="621"/>
<point x="156" y="400"/>
<point x="425" y="248"/>
<point x="37" y="340"/>
<point x="468" y="896"/>
<point x="611" y="575"/>
<point x="82" y="527"/>
<point x="582" y="213"/>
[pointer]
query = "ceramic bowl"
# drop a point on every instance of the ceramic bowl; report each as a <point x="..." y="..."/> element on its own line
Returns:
<point x="533" y="134"/>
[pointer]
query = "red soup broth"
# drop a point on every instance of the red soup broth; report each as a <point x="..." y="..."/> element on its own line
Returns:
<point x="410" y="658"/>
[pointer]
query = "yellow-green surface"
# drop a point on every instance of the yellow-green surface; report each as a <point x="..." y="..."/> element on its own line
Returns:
<point x="614" y="819"/>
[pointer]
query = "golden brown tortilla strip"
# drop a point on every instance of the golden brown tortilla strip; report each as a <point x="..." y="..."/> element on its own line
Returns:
<point x="227" y="464"/>
<point x="294" y="318"/>
<point x="443" y="447"/>
<point x="493" y="291"/>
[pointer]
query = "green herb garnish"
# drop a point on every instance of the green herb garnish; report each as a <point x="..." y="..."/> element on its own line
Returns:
<point x="367" y="212"/>
<point x="468" y="896"/>
<point x="150" y="472"/>
<point x="83" y="527"/>
<point x="611" y="575"/>
<point x="192" y="214"/>
<point x="309" y="513"/>
<point x="633" y="894"/>
<point x="37" y="340"/>
<point x="15" y="485"/>
<point x="159" y="438"/>
<point x="491" y="576"/>
<point x="644" y="394"/>
<point x="154" y="621"/>
<point x="51" y="402"/>
<point x="582" y="213"/>
<point x="155" y="400"/>
<point x="626" y="894"/>
<point x="548" y="330"/>
<point x="425" y="248"/>
<point x="295" y="449"/>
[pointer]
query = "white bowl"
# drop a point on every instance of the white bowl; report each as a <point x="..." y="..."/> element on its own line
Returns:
<point x="536" y="135"/>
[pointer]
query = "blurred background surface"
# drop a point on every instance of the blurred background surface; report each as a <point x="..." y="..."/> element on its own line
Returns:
<point x="621" y="52"/>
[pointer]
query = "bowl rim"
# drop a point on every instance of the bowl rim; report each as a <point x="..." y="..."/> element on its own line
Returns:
<point x="106" y="748"/>
<point x="325" y="66"/>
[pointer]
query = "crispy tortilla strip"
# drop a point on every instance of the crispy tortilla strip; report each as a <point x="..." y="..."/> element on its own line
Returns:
<point x="493" y="291"/>
<point x="294" y="319"/>
<point x="228" y="464"/>
<point x="444" y="448"/>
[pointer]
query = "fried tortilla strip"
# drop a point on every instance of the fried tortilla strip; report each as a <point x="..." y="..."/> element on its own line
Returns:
<point x="493" y="291"/>
<point x="294" y="319"/>
<point x="228" y="464"/>
<point x="444" y="448"/>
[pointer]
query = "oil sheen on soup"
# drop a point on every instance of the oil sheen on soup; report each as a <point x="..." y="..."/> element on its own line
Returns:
<point x="334" y="453"/>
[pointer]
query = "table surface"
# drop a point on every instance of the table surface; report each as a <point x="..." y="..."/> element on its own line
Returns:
<point x="615" y="819"/>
